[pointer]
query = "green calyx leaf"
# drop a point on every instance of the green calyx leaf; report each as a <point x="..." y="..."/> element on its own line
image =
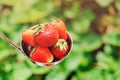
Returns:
<point x="33" y="49"/>
<point x="53" y="21"/>
<point x="62" y="44"/>
<point x="38" y="28"/>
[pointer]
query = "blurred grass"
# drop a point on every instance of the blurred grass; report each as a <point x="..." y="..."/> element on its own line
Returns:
<point x="95" y="29"/>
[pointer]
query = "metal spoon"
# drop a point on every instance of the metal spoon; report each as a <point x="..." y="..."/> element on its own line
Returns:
<point x="25" y="49"/>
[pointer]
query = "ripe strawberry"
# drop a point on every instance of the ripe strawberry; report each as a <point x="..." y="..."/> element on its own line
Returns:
<point x="48" y="36"/>
<point x="41" y="54"/>
<point x="61" y="28"/>
<point x="60" y="49"/>
<point x="28" y="35"/>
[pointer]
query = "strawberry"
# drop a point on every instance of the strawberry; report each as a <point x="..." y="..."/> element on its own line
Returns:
<point x="61" y="28"/>
<point x="48" y="36"/>
<point x="28" y="35"/>
<point x="41" y="54"/>
<point x="60" y="49"/>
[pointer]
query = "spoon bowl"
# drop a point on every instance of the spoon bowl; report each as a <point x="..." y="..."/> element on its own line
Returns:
<point x="26" y="49"/>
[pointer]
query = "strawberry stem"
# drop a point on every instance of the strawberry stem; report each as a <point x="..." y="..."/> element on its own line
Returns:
<point x="39" y="28"/>
<point x="53" y="21"/>
<point x="62" y="44"/>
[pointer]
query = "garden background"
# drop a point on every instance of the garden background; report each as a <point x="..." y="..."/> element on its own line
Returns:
<point x="95" y="29"/>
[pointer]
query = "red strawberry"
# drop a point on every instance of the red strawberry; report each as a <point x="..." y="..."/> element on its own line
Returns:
<point x="28" y="35"/>
<point x="41" y="54"/>
<point x="61" y="28"/>
<point x="60" y="49"/>
<point x="48" y="36"/>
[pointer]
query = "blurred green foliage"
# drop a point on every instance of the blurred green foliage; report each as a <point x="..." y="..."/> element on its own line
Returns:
<point x="95" y="29"/>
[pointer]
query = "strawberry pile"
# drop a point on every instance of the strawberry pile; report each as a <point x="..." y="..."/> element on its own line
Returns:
<point x="48" y="41"/>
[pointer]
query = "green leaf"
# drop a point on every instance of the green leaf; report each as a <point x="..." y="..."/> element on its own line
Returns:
<point x="5" y="54"/>
<point x="20" y="72"/>
<point x="5" y="26"/>
<point x="82" y="25"/>
<point x="109" y="76"/>
<point x="57" y="75"/>
<point x="75" y="78"/>
<point x="75" y="59"/>
<point x="112" y="50"/>
<point x="1" y="78"/>
<point x="35" y="77"/>
<point x="112" y="38"/>
<point x="74" y="36"/>
<point x="38" y="69"/>
<point x="3" y="44"/>
<point x="106" y="62"/>
<point x="108" y="49"/>
<point x="16" y="35"/>
<point x="46" y="8"/>
<point x="31" y="12"/>
<point x="41" y="70"/>
<point x="26" y="16"/>
<point x="90" y="42"/>
<point x="10" y="3"/>
<point x="6" y="67"/>
<point x="104" y="3"/>
<point x="117" y="72"/>
<point x="20" y="56"/>
<point x="73" y="11"/>
<point x="117" y="4"/>
<point x="21" y="2"/>
<point x="98" y="75"/>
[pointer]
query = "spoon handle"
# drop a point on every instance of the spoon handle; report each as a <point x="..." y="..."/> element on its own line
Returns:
<point x="10" y="42"/>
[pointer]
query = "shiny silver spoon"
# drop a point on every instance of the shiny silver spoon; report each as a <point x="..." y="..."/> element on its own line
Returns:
<point x="26" y="49"/>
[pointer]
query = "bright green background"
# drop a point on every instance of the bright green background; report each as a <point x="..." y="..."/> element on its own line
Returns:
<point x="95" y="29"/>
